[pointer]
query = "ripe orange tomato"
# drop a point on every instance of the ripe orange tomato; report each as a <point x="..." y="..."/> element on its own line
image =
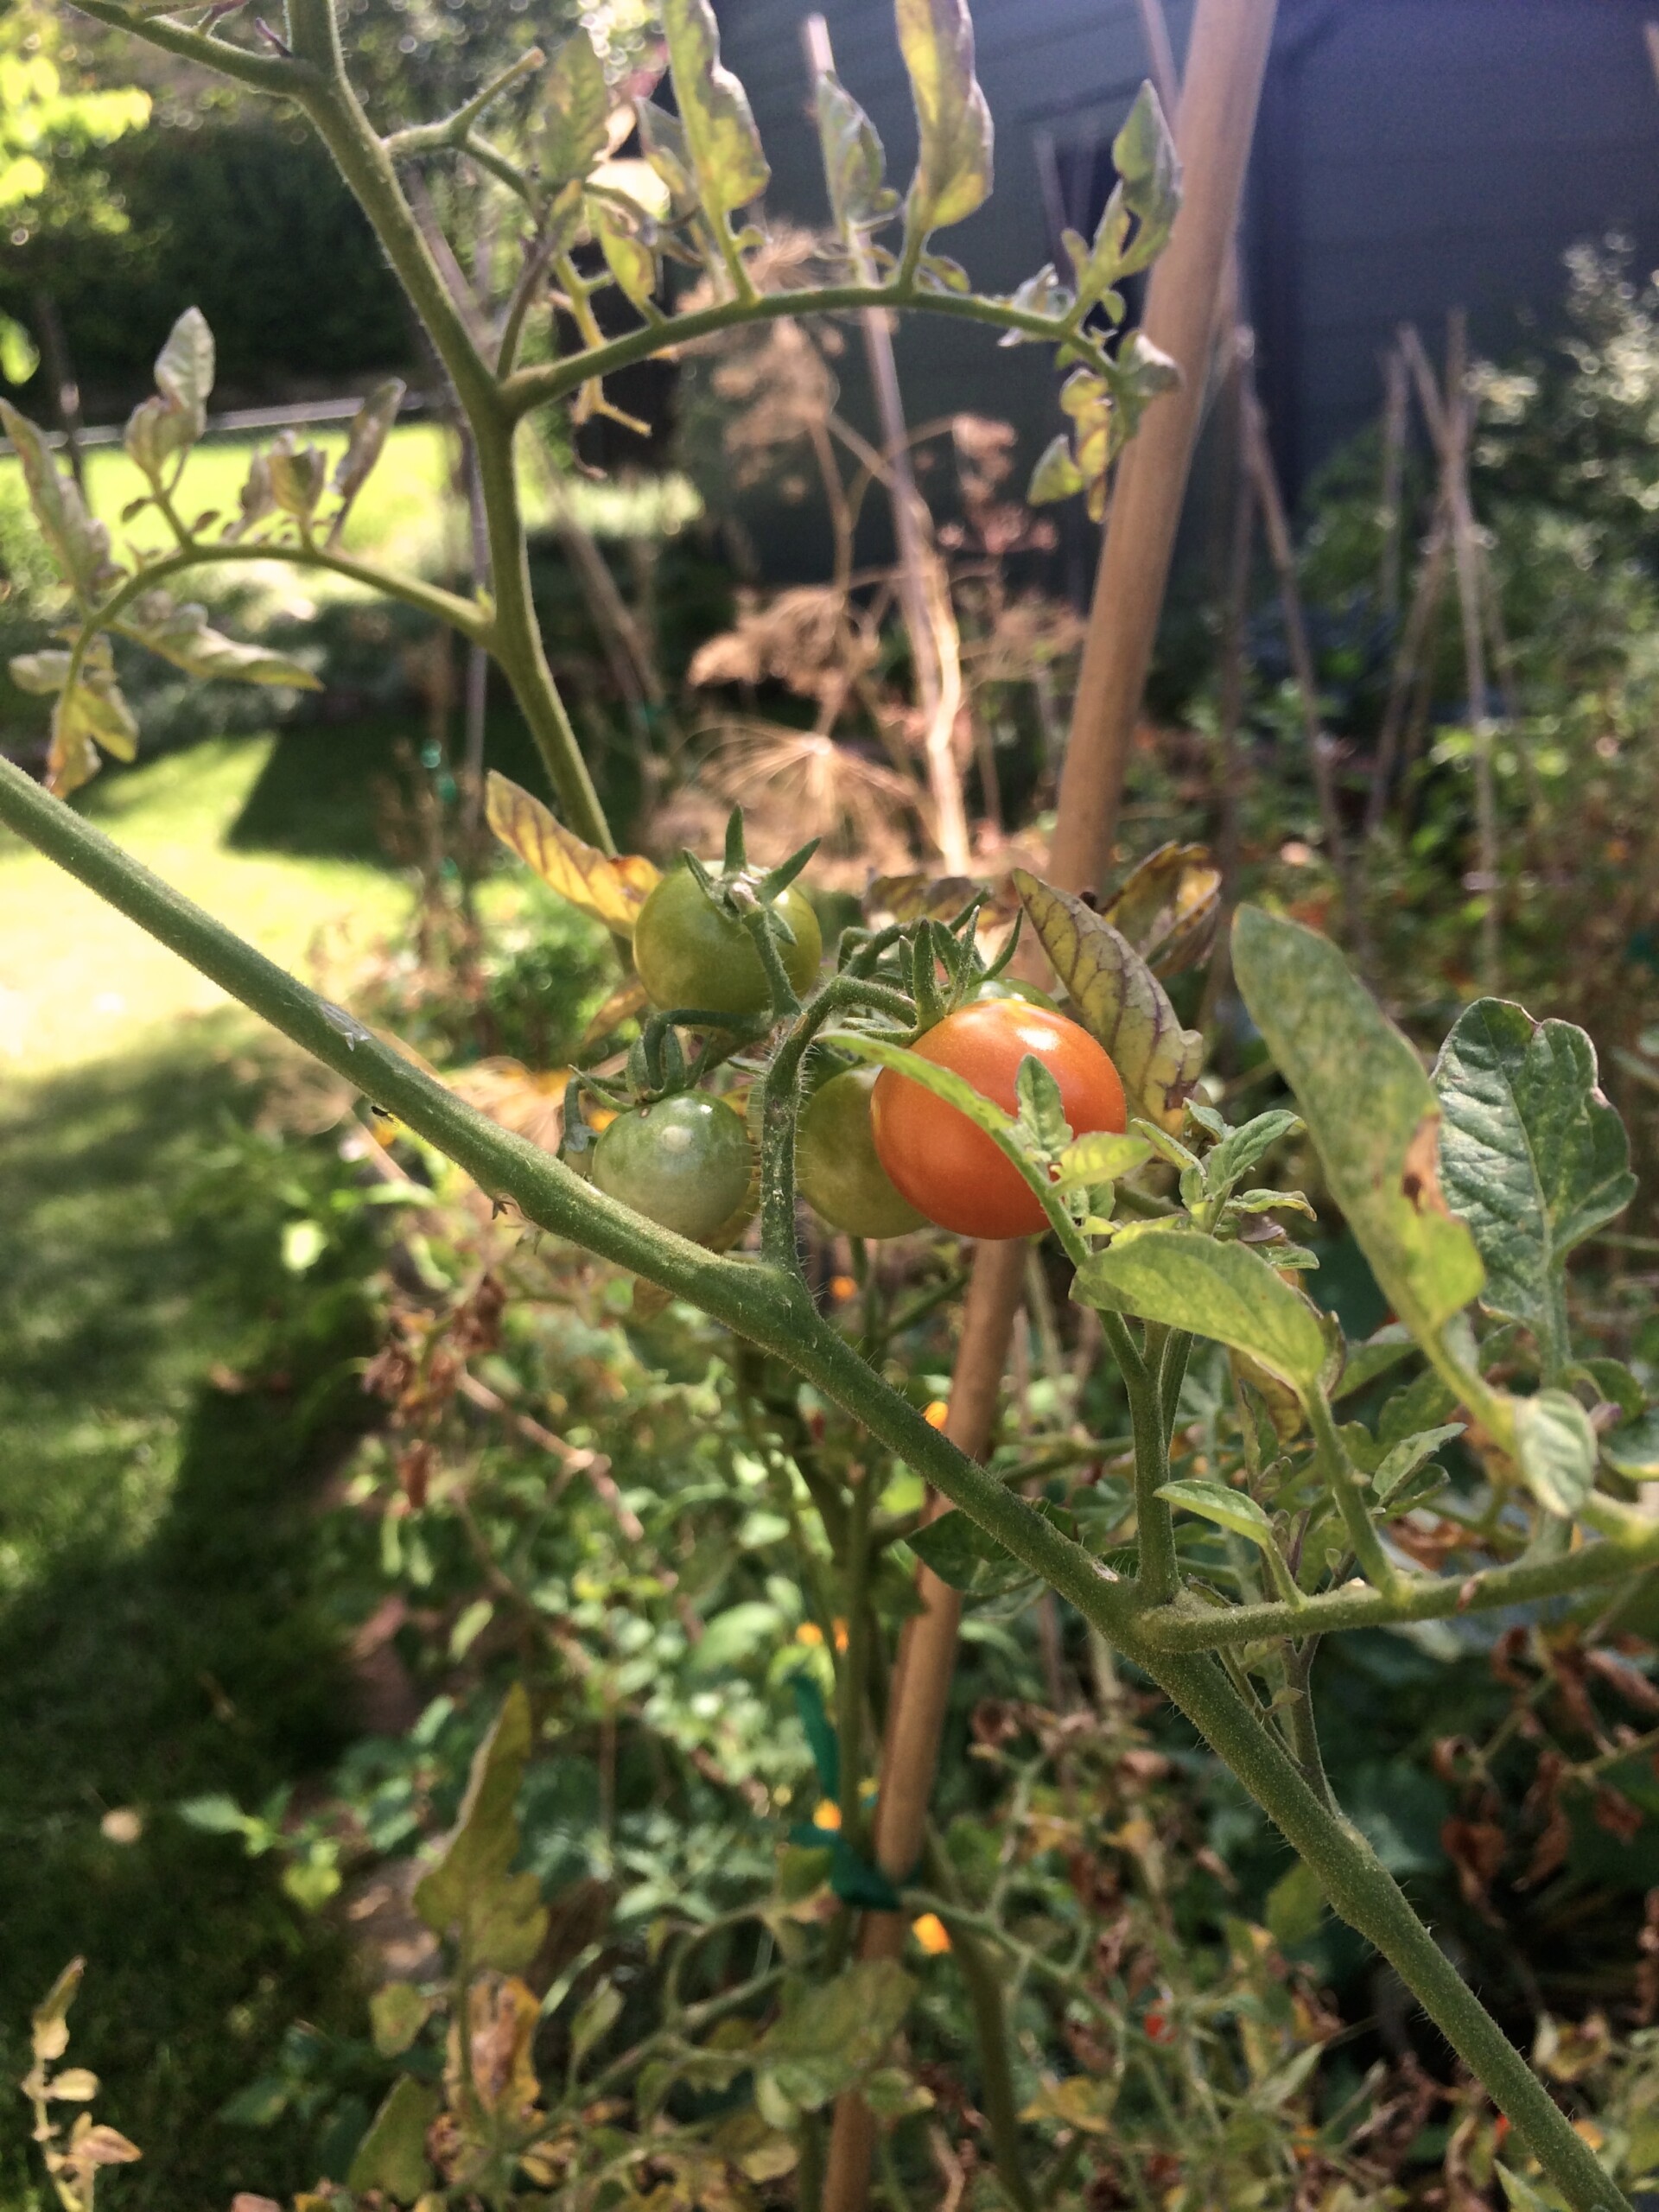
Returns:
<point x="945" y="1166"/>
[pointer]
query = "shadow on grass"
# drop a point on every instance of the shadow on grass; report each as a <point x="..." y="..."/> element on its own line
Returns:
<point x="172" y="1624"/>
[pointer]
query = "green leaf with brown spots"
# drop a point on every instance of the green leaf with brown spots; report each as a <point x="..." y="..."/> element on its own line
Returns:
<point x="1119" y="1001"/>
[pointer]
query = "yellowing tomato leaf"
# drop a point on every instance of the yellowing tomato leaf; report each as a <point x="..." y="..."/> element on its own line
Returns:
<point x="391" y="2158"/>
<point x="725" y="146"/>
<point x="919" y="898"/>
<point x="1119" y="1001"/>
<point x="573" y="129"/>
<point x="79" y="546"/>
<point x="611" y="891"/>
<point x="953" y="163"/>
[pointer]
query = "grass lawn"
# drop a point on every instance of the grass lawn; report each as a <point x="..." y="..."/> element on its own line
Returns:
<point x="170" y="1615"/>
<point x="78" y="982"/>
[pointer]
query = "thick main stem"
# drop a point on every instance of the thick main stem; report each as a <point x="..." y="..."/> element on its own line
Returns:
<point x="774" y="1310"/>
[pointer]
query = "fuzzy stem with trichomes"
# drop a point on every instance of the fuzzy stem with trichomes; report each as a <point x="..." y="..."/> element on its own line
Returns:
<point x="773" y="1309"/>
<point x="1343" y="1482"/>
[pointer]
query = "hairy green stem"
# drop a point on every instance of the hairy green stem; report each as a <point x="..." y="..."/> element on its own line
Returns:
<point x="1158" y="1577"/>
<point x="775" y="1311"/>
<point x="534" y="387"/>
<point x="465" y="615"/>
<point x="1340" y="1480"/>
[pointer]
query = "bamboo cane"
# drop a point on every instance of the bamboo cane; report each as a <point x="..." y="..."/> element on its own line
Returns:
<point x="1226" y="59"/>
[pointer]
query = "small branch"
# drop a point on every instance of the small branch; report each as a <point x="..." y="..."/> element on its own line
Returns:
<point x="535" y="387"/>
<point x="260" y="72"/>
<point x="471" y="620"/>
<point x="451" y="131"/>
<point x="1342" y="1481"/>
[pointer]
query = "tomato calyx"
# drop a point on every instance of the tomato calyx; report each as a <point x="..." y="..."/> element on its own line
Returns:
<point x="741" y="890"/>
<point x="937" y="963"/>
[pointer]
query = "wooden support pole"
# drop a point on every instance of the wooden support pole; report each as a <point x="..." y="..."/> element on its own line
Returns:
<point x="1226" y="60"/>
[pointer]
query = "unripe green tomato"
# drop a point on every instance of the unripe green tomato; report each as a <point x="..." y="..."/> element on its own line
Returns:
<point x="683" y="1163"/>
<point x="1010" y="987"/>
<point x="835" y="1166"/>
<point x="690" y="953"/>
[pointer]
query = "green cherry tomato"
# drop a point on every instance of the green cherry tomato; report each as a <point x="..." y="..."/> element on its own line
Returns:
<point x="683" y="1163"/>
<point x="689" y="953"/>
<point x="835" y="1166"/>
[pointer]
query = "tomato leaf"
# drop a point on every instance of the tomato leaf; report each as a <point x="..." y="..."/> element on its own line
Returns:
<point x="919" y="898"/>
<point x="953" y="163"/>
<point x="79" y="546"/>
<point x="1229" y="1509"/>
<point x="1370" y="1111"/>
<point x="1119" y="1001"/>
<point x="1220" y="1291"/>
<point x="573" y="126"/>
<point x="1041" y="1118"/>
<point x="1057" y="475"/>
<point x="180" y="634"/>
<point x="1633" y="1450"/>
<point x="961" y="1553"/>
<point x="725" y="146"/>
<point x="611" y="891"/>
<point x="370" y="426"/>
<point x="854" y="167"/>
<point x="391" y="2156"/>
<point x="496" y="1916"/>
<point x="1101" y="1157"/>
<point x="628" y="255"/>
<point x="1555" y="1449"/>
<point x="185" y="367"/>
<point x="1531" y="1157"/>
<point x="827" y="2040"/>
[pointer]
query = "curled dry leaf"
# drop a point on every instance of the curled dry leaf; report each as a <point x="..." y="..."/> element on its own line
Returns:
<point x="1168" y="907"/>
<point x="610" y="891"/>
<point x="918" y="898"/>
<point x="1118" y="1000"/>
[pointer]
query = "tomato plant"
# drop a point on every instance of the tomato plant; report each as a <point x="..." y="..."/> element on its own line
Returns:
<point x="837" y="1165"/>
<point x="1227" y="1546"/>
<point x="951" y="1171"/>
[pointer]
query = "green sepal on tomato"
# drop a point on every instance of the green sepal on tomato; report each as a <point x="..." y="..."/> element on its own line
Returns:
<point x="934" y="1155"/>
<point x="690" y="951"/>
<point x="837" y="1170"/>
<point x="683" y="1163"/>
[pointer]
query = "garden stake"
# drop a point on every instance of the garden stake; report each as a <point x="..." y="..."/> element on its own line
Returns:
<point x="1226" y="58"/>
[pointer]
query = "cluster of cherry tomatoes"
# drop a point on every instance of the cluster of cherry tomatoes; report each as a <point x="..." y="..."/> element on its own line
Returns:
<point x="876" y="1154"/>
